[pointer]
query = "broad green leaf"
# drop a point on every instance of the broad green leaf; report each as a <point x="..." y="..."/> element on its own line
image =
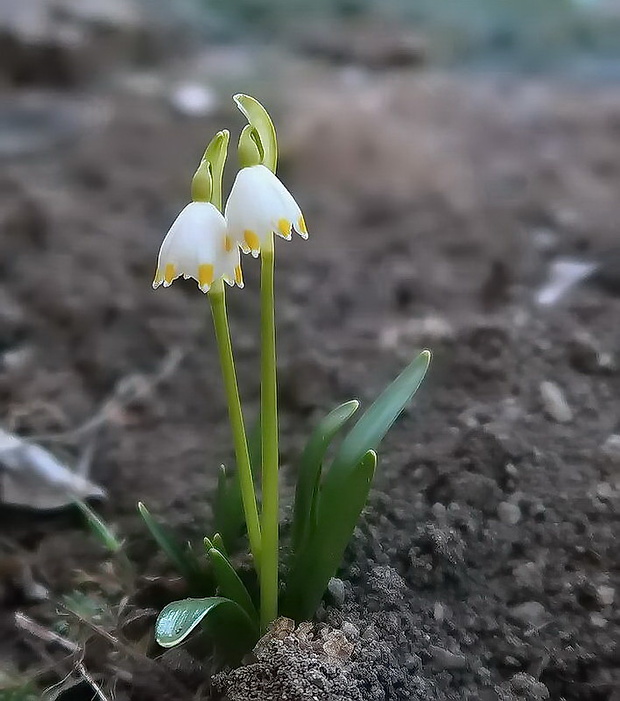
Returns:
<point x="376" y="421"/>
<point x="99" y="528"/>
<point x="338" y="513"/>
<point x="310" y="468"/>
<point x="187" y="566"/>
<point x="228" y="581"/>
<point x="180" y="618"/>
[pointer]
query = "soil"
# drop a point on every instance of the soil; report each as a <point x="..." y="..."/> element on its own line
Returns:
<point x="487" y="563"/>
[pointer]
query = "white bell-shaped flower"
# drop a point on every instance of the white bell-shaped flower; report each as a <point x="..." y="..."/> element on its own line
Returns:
<point x="197" y="246"/>
<point x="258" y="205"/>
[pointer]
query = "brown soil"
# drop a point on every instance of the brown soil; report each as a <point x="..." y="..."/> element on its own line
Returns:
<point x="487" y="561"/>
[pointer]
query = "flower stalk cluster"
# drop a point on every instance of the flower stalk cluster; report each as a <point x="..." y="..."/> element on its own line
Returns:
<point x="205" y="245"/>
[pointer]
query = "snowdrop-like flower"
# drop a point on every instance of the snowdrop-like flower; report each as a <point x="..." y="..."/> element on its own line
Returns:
<point x="258" y="205"/>
<point x="197" y="246"/>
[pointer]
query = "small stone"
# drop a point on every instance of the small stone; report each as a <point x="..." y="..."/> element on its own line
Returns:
<point x="336" y="590"/>
<point x="554" y="402"/>
<point x="508" y="513"/>
<point x="439" y="511"/>
<point x="337" y="645"/>
<point x="528" y="576"/>
<point x="604" y="491"/>
<point x="386" y="585"/>
<point x="598" y="620"/>
<point x="586" y="356"/>
<point x="439" y="611"/>
<point x="352" y="632"/>
<point x="532" y="613"/>
<point x="611" y="449"/>
<point x="605" y="595"/>
<point x="529" y="688"/>
<point x="412" y="662"/>
<point x="512" y="470"/>
<point x="444" y="659"/>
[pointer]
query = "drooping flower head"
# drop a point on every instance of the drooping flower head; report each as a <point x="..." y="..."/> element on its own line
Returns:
<point x="259" y="204"/>
<point x="197" y="244"/>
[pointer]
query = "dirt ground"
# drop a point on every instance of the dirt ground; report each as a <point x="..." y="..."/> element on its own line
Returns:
<point x="487" y="563"/>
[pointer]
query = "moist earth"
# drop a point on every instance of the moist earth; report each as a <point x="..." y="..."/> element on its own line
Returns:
<point x="486" y="563"/>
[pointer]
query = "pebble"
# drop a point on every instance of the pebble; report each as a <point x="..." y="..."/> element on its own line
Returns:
<point x="605" y="595"/>
<point x="554" y="402"/>
<point x="598" y="620"/>
<point x="586" y="356"/>
<point x="439" y="611"/>
<point x="604" y="491"/>
<point x="611" y="449"/>
<point x="508" y="513"/>
<point x="336" y="590"/>
<point x="532" y="613"/>
<point x="528" y="576"/>
<point x="413" y="662"/>
<point x="352" y="632"/>
<point x="530" y="688"/>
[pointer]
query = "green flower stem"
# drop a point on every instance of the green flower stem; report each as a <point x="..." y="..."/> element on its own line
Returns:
<point x="269" y="442"/>
<point x="217" y="298"/>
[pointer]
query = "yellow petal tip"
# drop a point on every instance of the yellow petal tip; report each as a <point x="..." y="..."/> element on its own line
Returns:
<point x="302" y="228"/>
<point x="169" y="274"/>
<point x="205" y="275"/>
<point x="252" y="241"/>
<point x="284" y="228"/>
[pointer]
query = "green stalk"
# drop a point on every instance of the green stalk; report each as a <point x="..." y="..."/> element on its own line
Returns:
<point x="217" y="298"/>
<point x="269" y="442"/>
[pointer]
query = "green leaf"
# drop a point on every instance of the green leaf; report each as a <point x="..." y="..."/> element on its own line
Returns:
<point x="343" y="493"/>
<point x="338" y="513"/>
<point x="371" y="428"/>
<point x="187" y="565"/>
<point x="99" y="528"/>
<point x="311" y="464"/>
<point x="228" y="581"/>
<point x="227" y="622"/>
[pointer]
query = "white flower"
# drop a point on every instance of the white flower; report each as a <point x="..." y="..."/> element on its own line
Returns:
<point x="197" y="246"/>
<point x="259" y="204"/>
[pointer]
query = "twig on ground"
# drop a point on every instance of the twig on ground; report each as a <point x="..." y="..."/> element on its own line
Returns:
<point x="91" y="682"/>
<point x="27" y="624"/>
<point x="124" y="392"/>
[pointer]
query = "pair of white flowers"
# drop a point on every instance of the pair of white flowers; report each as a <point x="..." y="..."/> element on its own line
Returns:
<point x="204" y="245"/>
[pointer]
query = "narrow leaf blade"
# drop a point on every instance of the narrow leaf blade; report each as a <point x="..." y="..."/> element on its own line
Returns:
<point x="376" y="421"/>
<point x="176" y="552"/>
<point x="310" y="467"/>
<point x="229" y="583"/>
<point x="99" y="528"/>
<point x="338" y="512"/>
